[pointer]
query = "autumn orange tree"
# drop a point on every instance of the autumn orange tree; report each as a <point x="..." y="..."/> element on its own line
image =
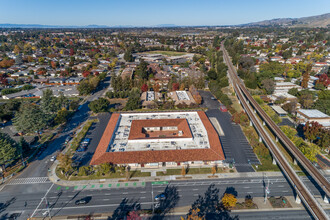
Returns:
<point x="229" y="200"/>
<point x="214" y="170"/>
<point x="194" y="215"/>
<point x="183" y="171"/>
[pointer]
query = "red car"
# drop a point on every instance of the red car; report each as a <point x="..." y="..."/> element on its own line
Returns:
<point x="223" y="108"/>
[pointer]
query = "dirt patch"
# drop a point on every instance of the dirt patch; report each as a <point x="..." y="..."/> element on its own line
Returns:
<point x="183" y="178"/>
<point x="279" y="202"/>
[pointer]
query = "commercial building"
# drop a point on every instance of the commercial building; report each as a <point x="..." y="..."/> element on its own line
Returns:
<point x="159" y="139"/>
<point x="308" y="115"/>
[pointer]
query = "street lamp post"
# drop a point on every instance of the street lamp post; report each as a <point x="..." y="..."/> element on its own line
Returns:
<point x="266" y="189"/>
<point x="152" y="198"/>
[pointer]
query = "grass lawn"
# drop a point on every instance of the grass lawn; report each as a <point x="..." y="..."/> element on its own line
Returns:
<point x="167" y="53"/>
<point x="108" y="176"/>
<point x="204" y="170"/>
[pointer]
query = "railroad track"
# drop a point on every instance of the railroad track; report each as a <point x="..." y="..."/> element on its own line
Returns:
<point x="245" y="98"/>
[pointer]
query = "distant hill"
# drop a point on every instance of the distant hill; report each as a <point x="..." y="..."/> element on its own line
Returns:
<point x="49" y="26"/>
<point x="312" y="21"/>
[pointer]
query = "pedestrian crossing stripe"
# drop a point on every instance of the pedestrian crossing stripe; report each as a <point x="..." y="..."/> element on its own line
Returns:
<point x="30" y="180"/>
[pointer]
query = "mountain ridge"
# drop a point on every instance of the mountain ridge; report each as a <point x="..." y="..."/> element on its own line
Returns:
<point x="322" y="20"/>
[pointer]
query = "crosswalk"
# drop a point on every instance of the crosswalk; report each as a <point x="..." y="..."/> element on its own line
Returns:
<point x="32" y="180"/>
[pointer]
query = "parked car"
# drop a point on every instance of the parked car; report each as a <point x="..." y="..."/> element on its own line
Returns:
<point x="223" y="108"/>
<point x="68" y="138"/>
<point x="213" y="98"/>
<point x="86" y="140"/>
<point x="53" y="158"/>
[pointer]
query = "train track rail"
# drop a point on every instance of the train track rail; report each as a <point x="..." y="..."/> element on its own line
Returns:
<point x="244" y="96"/>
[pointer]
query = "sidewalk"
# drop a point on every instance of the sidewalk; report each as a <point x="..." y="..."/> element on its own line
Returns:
<point x="54" y="178"/>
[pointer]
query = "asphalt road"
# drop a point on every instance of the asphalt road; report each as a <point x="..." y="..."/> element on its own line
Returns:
<point x="234" y="143"/>
<point x="180" y="193"/>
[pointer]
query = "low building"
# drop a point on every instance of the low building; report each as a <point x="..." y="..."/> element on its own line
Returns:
<point x="309" y="115"/>
<point x="280" y="111"/>
<point x="181" y="97"/>
<point x="148" y="98"/>
<point x="284" y="87"/>
<point x="159" y="139"/>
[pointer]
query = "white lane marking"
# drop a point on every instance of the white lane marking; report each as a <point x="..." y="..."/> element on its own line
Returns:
<point x="195" y="189"/>
<point x="280" y="186"/>
<point x="125" y="193"/>
<point x="143" y="192"/>
<point x="249" y="192"/>
<point x="91" y="206"/>
<point x="42" y="199"/>
<point x="106" y="199"/>
<point x="246" y="187"/>
<point x="196" y="194"/>
<point x="143" y="197"/>
<point x="107" y="194"/>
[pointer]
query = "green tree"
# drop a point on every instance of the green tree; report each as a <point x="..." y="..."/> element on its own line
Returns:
<point x="61" y="116"/>
<point x="268" y="85"/>
<point x="99" y="105"/>
<point x="289" y="131"/>
<point x="128" y="55"/>
<point x="30" y="119"/>
<point x="8" y="149"/>
<point x="85" y="87"/>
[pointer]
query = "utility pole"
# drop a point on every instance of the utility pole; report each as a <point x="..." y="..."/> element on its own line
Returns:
<point x="47" y="205"/>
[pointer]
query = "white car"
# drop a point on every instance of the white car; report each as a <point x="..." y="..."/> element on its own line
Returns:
<point x="53" y="158"/>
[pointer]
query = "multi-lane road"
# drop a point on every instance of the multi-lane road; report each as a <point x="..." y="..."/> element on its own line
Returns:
<point x="107" y="199"/>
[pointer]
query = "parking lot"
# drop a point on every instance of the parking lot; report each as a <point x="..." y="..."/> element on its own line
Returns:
<point x="234" y="143"/>
<point x="94" y="133"/>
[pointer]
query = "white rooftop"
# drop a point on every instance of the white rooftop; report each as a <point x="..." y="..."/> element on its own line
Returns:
<point x="313" y="113"/>
<point x="120" y="142"/>
<point x="182" y="95"/>
<point x="278" y="109"/>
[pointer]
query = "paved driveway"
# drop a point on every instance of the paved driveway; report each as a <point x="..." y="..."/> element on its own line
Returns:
<point x="94" y="133"/>
<point x="234" y="142"/>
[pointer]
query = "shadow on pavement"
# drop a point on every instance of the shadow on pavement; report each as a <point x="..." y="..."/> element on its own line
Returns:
<point x="209" y="206"/>
<point x="168" y="204"/>
<point x="124" y="208"/>
<point x="3" y="207"/>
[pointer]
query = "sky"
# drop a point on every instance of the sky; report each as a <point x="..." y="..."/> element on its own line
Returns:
<point x="155" y="12"/>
